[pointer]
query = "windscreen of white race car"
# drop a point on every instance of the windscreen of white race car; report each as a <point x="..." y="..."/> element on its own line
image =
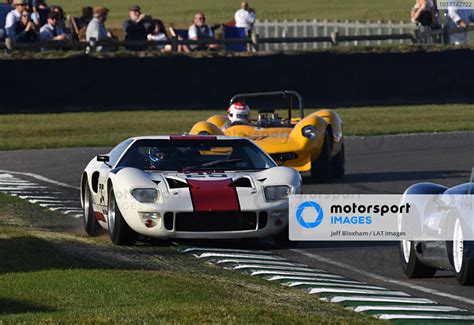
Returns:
<point x="191" y="155"/>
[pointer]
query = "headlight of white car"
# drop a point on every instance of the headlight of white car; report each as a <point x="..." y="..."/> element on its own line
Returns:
<point x="309" y="132"/>
<point x="277" y="193"/>
<point x="145" y="195"/>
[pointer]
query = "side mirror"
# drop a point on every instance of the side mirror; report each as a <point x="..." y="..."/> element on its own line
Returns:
<point x="103" y="158"/>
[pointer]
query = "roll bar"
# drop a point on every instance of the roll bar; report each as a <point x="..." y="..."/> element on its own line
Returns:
<point x="288" y="94"/>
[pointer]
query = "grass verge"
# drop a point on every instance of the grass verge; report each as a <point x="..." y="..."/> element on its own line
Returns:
<point x="57" y="277"/>
<point x="35" y="131"/>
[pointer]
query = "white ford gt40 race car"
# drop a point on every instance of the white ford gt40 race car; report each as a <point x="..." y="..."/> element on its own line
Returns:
<point x="187" y="187"/>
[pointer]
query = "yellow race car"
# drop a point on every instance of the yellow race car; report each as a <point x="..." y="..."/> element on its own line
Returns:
<point x="314" y="143"/>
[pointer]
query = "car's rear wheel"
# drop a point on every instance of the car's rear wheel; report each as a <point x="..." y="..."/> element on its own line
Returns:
<point x="282" y="239"/>
<point x="411" y="265"/>
<point x="339" y="163"/>
<point x="462" y="256"/>
<point x="91" y="225"/>
<point x="321" y="168"/>
<point x="119" y="231"/>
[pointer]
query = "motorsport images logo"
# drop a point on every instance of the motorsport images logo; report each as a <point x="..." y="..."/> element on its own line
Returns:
<point x="309" y="210"/>
<point x="386" y="217"/>
<point x="310" y="214"/>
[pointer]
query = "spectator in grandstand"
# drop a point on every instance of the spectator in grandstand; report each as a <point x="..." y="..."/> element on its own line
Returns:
<point x="458" y="20"/>
<point x="79" y="24"/>
<point x="424" y="15"/>
<point x="137" y="26"/>
<point x="96" y="30"/>
<point x="13" y="17"/>
<point x="157" y="33"/>
<point x="245" y="17"/>
<point x="86" y="17"/>
<point x="61" y="16"/>
<point x="52" y="31"/>
<point x="200" y="31"/>
<point x="25" y="29"/>
<point x="40" y="13"/>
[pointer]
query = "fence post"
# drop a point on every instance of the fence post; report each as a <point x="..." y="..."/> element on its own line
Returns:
<point x="357" y="31"/>
<point x="445" y="36"/>
<point x="315" y="33"/>
<point x="415" y="38"/>
<point x="335" y="38"/>
<point x="174" y="44"/>
<point x="380" y="31"/>
<point x="325" y="31"/>
<point x="256" y="42"/>
<point x="390" y="31"/>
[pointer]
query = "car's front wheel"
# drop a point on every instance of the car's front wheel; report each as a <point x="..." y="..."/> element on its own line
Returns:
<point x="411" y="265"/>
<point x="321" y="168"/>
<point x="462" y="256"/>
<point x="119" y="231"/>
<point x="339" y="163"/>
<point x="91" y="225"/>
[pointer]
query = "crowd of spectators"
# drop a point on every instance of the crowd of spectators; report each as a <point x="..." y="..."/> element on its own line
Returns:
<point x="33" y="20"/>
<point x="426" y="15"/>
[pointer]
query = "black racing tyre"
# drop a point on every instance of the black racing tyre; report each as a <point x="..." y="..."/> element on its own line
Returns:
<point x="119" y="231"/>
<point x="465" y="276"/>
<point x="411" y="265"/>
<point x="321" y="168"/>
<point x="339" y="163"/>
<point x="91" y="225"/>
<point x="282" y="239"/>
<point x="461" y="256"/>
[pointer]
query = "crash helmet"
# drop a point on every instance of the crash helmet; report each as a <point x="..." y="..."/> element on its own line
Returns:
<point x="238" y="113"/>
<point x="156" y="155"/>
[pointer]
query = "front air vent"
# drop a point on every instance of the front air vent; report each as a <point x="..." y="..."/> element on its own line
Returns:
<point x="168" y="220"/>
<point x="242" y="182"/>
<point x="175" y="183"/>
<point x="262" y="219"/>
<point x="215" y="221"/>
<point x="95" y="182"/>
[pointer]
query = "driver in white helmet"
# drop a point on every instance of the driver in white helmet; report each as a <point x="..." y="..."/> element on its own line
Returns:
<point x="238" y="114"/>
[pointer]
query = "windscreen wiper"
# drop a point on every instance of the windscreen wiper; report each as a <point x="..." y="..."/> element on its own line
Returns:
<point x="211" y="164"/>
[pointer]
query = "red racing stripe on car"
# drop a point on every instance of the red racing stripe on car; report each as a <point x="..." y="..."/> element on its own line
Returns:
<point x="213" y="195"/>
<point x="99" y="216"/>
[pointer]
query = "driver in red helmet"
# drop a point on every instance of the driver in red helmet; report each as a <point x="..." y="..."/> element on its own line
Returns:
<point x="238" y="114"/>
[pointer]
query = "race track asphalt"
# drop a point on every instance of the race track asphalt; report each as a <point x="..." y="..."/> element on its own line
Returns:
<point x="385" y="165"/>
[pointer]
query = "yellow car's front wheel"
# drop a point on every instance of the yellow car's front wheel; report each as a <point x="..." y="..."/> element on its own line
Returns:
<point x="321" y="168"/>
<point x="339" y="163"/>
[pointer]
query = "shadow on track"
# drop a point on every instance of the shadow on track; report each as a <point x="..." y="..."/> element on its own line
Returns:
<point x="9" y="306"/>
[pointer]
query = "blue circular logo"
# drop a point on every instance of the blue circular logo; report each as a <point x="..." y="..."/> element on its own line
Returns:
<point x="318" y="212"/>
